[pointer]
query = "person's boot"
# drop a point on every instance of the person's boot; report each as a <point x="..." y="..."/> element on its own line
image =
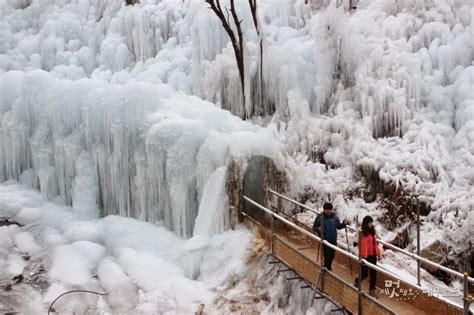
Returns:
<point x="372" y="293"/>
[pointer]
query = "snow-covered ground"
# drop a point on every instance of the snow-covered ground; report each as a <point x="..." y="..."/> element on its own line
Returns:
<point x="144" y="268"/>
<point x="103" y="110"/>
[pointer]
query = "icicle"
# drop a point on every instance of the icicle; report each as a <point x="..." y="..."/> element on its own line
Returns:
<point x="213" y="217"/>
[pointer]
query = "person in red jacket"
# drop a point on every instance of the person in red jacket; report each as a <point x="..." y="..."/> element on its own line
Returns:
<point x="369" y="250"/>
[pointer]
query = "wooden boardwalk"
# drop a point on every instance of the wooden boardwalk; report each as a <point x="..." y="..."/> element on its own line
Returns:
<point x="299" y="252"/>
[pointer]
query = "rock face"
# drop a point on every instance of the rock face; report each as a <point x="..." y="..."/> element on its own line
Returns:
<point x="432" y="252"/>
<point x="254" y="183"/>
<point x="5" y="221"/>
<point x="260" y="174"/>
<point x="234" y="187"/>
<point x="265" y="290"/>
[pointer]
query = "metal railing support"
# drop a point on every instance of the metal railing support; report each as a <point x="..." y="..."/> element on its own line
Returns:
<point x="416" y="257"/>
<point x="361" y="261"/>
<point x="348" y="249"/>
<point x="359" y="278"/>
<point x="294" y="201"/>
<point x="418" y="276"/>
<point x="466" y="303"/>
<point x="321" y="243"/>
<point x="272" y="235"/>
<point x="323" y="259"/>
<point x="296" y="211"/>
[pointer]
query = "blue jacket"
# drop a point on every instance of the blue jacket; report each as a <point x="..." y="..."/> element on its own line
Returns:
<point x="330" y="226"/>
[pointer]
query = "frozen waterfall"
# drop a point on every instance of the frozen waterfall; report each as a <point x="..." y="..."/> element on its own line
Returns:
<point x="138" y="150"/>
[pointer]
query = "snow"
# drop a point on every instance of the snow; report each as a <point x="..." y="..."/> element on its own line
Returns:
<point x="26" y="243"/>
<point x="140" y="265"/>
<point x="114" y="279"/>
<point x="72" y="267"/>
<point x="398" y="82"/>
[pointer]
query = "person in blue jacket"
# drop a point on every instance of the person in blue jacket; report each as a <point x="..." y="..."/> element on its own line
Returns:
<point x="330" y="226"/>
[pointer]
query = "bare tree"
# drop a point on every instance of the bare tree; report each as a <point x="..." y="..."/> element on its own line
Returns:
<point x="236" y="39"/>
<point x="257" y="98"/>
<point x="131" y="2"/>
<point x="260" y="81"/>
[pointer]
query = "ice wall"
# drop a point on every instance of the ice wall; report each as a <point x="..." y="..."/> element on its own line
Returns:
<point x="384" y="53"/>
<point x="177" y="42"/>
<point x="138" y="150"/>
<point x="401" y="110"/>
<point x="87" y="117"/>
<point x="339" y="82"/>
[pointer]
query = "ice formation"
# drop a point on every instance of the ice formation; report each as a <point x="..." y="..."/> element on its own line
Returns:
<point x="82" y="125"/>
<point x="142" y="267"/>
<point x="136" y="150"/>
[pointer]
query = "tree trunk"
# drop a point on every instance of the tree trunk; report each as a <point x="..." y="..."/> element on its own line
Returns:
<point x="236" y="40"/>
<point x="260" y="100"/>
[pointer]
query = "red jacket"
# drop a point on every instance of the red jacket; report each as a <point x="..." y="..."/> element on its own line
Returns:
<point x="364" y="248"/>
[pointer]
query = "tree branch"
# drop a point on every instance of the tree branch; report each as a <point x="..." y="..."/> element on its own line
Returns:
<point x="253" y="9"/>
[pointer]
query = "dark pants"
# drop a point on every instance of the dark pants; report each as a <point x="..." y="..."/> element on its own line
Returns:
<point x="328" y="256"/>
<point x="373" y="273"/>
